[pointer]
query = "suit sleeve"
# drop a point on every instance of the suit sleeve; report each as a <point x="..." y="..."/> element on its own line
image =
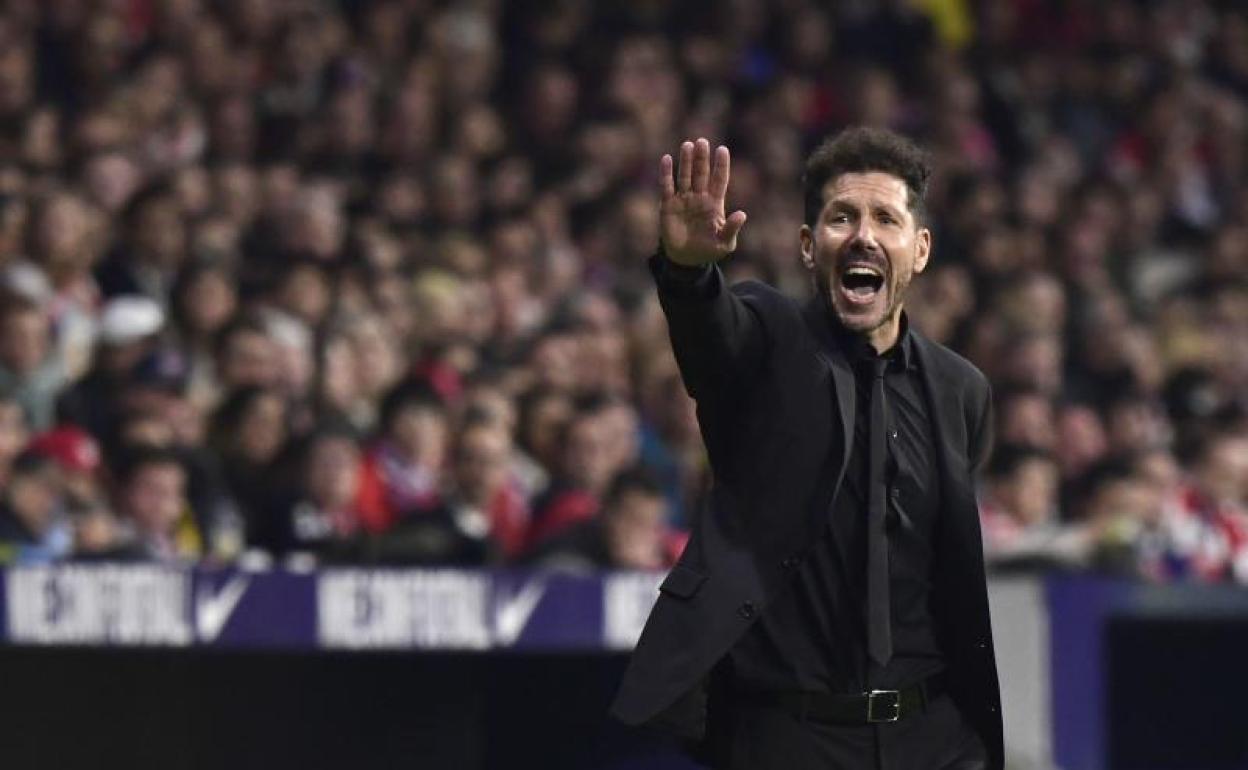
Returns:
<point x="717" y="337"/>
<point x="981" y="439"/>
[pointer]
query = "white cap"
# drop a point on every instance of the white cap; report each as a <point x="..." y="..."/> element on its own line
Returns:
<point x="130" y="318"/>
<point x="27" y="280"/>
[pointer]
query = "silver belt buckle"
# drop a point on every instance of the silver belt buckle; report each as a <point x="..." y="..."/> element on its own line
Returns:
<point x="883" y="706"/>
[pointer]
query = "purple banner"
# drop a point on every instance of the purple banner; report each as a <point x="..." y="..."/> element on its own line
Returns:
<point x="441" y="609"/>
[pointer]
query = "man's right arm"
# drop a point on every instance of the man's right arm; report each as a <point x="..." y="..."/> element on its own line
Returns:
<point x="717" y="338"/>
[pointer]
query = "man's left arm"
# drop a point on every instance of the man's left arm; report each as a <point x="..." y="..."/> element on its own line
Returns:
<point x="980" y="445"/>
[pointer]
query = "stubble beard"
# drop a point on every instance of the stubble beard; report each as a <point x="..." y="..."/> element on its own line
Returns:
<point x="855" y="322"/>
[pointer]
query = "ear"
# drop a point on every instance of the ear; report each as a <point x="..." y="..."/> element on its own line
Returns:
<point x="807" y="238"/>
<point x="922" y="249"/>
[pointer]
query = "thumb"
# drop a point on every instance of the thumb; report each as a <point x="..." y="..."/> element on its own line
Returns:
<point x="731" y="229"/>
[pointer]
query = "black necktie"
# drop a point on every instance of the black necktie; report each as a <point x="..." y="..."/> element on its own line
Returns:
<point x="879" y="621"/>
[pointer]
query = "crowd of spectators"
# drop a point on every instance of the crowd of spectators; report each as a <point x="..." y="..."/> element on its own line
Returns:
<point x="364" y="281"/>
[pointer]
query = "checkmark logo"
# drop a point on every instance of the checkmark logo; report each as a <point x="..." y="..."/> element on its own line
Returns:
<point x="213" y="610"/>
<point x="512" y="613"/>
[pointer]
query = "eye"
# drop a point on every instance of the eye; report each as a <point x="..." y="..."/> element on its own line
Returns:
<point x="839" y="218"/>
<point x="886" y="218"/>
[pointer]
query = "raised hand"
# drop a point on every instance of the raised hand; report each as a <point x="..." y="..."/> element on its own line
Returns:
<point x="692" y="226"/>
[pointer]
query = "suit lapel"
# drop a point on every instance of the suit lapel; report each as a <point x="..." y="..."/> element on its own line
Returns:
<point x="831" y="354"/>
<point x="846" y="394"/>
<point x="947" y="404"/>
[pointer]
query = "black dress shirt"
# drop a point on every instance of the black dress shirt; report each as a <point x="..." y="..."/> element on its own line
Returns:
<point x="813" y="638"/>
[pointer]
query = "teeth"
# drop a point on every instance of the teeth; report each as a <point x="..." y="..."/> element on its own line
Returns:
<point x="862" y="271"/>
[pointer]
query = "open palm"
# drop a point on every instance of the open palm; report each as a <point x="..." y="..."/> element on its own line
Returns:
<point x="693" y="227"/>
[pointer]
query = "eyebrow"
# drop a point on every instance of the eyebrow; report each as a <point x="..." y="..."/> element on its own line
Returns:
<point x="841" y="203"/>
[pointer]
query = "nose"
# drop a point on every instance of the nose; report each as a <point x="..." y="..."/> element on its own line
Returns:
<point x="864" y="236"/>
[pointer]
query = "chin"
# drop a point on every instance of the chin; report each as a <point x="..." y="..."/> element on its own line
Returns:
<point x="860" y="319"/>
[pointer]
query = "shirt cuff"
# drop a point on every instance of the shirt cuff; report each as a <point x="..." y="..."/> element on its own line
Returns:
<point x="682" y="279"/>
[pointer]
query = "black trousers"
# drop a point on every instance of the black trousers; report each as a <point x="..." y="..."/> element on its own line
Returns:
<point x="769" y="738"/>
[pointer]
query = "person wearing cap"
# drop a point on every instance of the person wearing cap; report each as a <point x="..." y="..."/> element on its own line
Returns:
<point x="129" y="329"/>
<point x="157" y="387"/>
<point x="96" y="531"/>
<point x="77" y="454"/>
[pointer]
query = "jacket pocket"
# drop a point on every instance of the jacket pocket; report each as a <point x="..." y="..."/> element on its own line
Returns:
<point x="682" y="582"/>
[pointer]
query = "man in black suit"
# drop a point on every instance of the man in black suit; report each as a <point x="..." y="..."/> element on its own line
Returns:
<point x="830" y="609"/>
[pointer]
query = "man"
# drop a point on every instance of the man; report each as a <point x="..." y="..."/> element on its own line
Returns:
<point x="152" y="499"/>
<point x="1018" y="512"/>
<point x="30" y="367"/>
<point x="830" y="609"/>
<point x="33" y="528"/>
<point x="631" y="532"/>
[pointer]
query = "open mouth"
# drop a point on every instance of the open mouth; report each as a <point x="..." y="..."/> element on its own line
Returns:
<point x="861" y="283"/>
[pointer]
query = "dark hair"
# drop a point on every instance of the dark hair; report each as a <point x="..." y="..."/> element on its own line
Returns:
<point x="1008" y="458"/>
<point x="240" y="323"/>
<point x="1111" y="470"/>
<point x="156" y="191"/>
<point x="861" y="149"/>
<point x="408" y="394"/>
<point x="14" y="304"/>
<point x="233" y="410"/>
<point x="136" y="457"/>
<point x="30" y="462"/>
<point x="635" y="479"/>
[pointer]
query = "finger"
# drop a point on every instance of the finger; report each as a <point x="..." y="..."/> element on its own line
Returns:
<point x="719" y="174"/>
<point x="701" y="165"/>
<point x="667" y="185"/>
<point x="731" y="229"/>
<point x="684" y="172"/>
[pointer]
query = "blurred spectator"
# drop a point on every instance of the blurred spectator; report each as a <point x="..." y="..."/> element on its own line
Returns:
<point x="1025" y="416"/>
<point x="129" y="328"/>
<point x="586" y="466"/>
<point x="1018" y="512"/>
<point x="246" y="355"/>
<point x="29" y="366"/>
<point x="204" y="299"/>
<point x="1207" y="516"/>
<point x="486" y="493"/>
<point x="543" y="415"/>
<point x="406" y="467"/>
<point x="328" y="506"/>
<point x="1123" y="517"/>
<point x="248" y="433"/>
<point x="154" y="248"/>
<point x="151" y="499"/>
<point x="13" y="433"/>
<point x="631" y="532"/>
<point x="33" y="527"/>
<point x="78" y="456"/>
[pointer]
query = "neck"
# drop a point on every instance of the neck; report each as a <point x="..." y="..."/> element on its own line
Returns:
<point x="884" y="337"/>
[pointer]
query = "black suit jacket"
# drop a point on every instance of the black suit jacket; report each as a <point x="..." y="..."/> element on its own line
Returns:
<point x="775" y="398"/>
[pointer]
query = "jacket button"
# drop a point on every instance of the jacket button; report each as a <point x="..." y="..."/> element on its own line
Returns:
<point x="790" y="562"/>
<point x="747" y="610"/>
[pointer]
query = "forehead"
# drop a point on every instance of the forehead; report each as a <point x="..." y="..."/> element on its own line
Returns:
<point x="870" y="187"/>
<point x="159" y="471"/>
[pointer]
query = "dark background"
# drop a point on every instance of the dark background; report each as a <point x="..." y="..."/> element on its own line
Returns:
<point x="179" y="710"/>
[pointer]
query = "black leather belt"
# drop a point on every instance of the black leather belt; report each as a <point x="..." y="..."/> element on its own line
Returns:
<point x="855" y="709"/>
